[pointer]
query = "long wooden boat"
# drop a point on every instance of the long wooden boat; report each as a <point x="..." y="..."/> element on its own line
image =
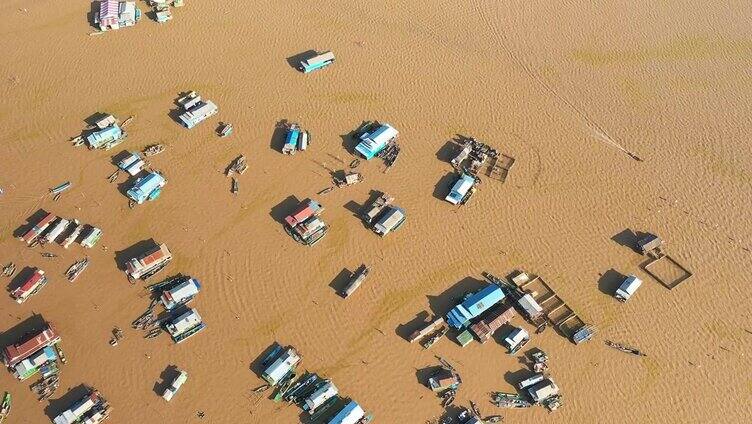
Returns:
<point x="5" y="407"/>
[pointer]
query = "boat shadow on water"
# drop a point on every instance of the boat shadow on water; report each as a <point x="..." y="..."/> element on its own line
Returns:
<point x="257" y="366"/>
<point x="442" y="187"/>
<point x="277" y="140"/>
<point x="64" y="402"/>
<point x="349" y="140"/>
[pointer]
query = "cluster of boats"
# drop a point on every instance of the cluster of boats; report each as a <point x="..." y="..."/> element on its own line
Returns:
<point x="106" y="133"/>
<point x="180" y="322"/>
<point x="305" y="224"/>
<point x="46" y="387"/>
<point x="296" y="139"/>
<point x="539" y="389"/>
<point x="51" y="228"/>
<point x="90" y="409"/>
<point x="76" y="269"/>
<point x="317" y="396"/>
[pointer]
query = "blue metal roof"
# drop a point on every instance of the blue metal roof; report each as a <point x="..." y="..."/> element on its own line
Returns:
<point x="145" y="186"/>
<point x="104" y="136"/>
<point x="474" y="305"/>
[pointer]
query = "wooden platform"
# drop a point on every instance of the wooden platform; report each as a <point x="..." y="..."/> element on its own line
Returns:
<point x="667" y="271"/>
<point x="498" y="168"/>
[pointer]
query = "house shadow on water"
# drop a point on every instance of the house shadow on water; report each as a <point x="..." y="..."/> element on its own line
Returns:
<point x="442" y="187"/>
<point x="165" y="379"/>
<point x="277" y="141"/>
<point x="20" y="278"/>
<point x="31" y="221"/>
<point x="609" y="281"/>
<point x="294" y="60"/>
<point x="135" y="250"/>
<point x="340" y="281"/>
<point x="73" y="395"/>
<point x="349" y="140"/>
<point x="284" y="208"/>
<point x="26" y="327"/>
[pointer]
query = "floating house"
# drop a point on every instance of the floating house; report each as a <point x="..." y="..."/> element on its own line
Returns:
<point x="516" y="340"/>
<point x="149" y="263"/>
<point x="32" y="365"/>
<point x="474" y="305"/>
<point x="77" y="228"/>
<point x="327" y="391"/>
<point x="305" y="225"/>
<point x="543" y="390"/>
<point x="15" y="353"/>
<point x="352" y="413"/>
<point x="147" y="188"/>
<point x="531" y="381"/>
<point x="282" y="366"/>
<point x="55" y="231"/>
<point x="185" y="326"/>
<point x="374" y="139"/>
<point x="31" y="236"/>
<point x="444" y="379"/>
<point x="175" y="385"/>
<point x="180" y="294"/>
<point x="132" y="164"/>
<point x="319" y="61"/>
<point x="30" y="287"/>
<point x="114" y="14"/>
<point x="91" y="409"/>
<point x="392" y="218"/>
<point x="377" y="207"/>
<point x="106" y="138"/>
<point x="530" y="307"/>
<point x="462" y="189"/>
<point x="492" y="321"/>
<point x="627" y="288"/>
<point x="291" y="140"/>
<point x="91" y="238"/>
<point x="195" y="110"/>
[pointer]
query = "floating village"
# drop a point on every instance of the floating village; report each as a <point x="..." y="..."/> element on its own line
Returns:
<point x="513" y="311"/>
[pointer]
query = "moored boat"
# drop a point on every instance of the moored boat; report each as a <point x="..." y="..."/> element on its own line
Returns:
<point x="5" y="407"/>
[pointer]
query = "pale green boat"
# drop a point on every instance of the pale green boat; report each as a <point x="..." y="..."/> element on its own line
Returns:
<point x="5" y="407"/>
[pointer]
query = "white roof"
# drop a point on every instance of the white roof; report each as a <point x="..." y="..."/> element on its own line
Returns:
<point x="323" y="57"/>
<point x="186" y="321"/>
<point x="517" y="336"/>
<point x="630" y="285"/>
<point x="280" y="367"/>
<point x="321" y="395"/>
<point x="528" y="303"/>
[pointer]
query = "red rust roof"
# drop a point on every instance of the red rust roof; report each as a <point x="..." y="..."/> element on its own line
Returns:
<point x="18" y="352"/>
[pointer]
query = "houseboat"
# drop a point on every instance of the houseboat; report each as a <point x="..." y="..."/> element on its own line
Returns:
<point x="444" y="379"/>
<point x="175" y="385"/>
<point x="305" y="225"/>
<point x="55" y="231"/>
<point x="147" y="188"/>
<point x="516" y="340"/>
<point x="392" y="218"/>
<point x="30" y="287"/>
<point x="462" y="189"/>
<point x="283" y="365"/>
<point x="627" y="288"/>
<point x="34" y="232"/>
<point x="195" y="110"/>
<point x="292" y="138"/>
<point x="181" y="293"/>
<point x="73" y="236"/>
<point x="376" y="208"/>
<point x="356" y="279"/>
<point x="91" y="238"/>
<point x="149" y="263"/>
<point x="327" y="391"/>
<point x="542" y="390"/>
<point x="91" y="409"/>
<point x="185" y="326"/>
<point x="29" y="345"/>
<point x="114" y="14"/>
<point x="492" y="321"/>
<point x="374" y="138"/>
<point x="32" y="365"/>
<point x="474" y="305"/>
<point x="106" y="138"/>
<point x="319" y="61"/>
<point x="352" y="413"/>
<point x="132" y="164"/>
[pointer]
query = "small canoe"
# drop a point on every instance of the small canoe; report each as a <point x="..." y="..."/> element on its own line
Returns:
<point x="60" y="188"/>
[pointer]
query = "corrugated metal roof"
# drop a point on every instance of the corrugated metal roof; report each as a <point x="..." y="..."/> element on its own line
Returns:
<point x="18" y="352"/>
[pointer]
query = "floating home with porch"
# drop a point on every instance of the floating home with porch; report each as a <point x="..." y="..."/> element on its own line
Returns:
<point x="29" y="345"/>
<point x="374" y="138"/>
<point x="146" y="188"/>
<point x="181" y="292"/>
<point x="282" y="363"/>
<point x="185" y="325"/>
<point x="149" y="263"/>
<point x="195" y="110"/>
<point x="321" y="60"/>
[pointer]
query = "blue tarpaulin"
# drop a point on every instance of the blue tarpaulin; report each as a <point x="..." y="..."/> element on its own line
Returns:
<point x="460" y="316"/>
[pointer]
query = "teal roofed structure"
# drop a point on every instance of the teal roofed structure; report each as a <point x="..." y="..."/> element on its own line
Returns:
<point x="147" y="188"/>
<point x="474" y="305"/>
